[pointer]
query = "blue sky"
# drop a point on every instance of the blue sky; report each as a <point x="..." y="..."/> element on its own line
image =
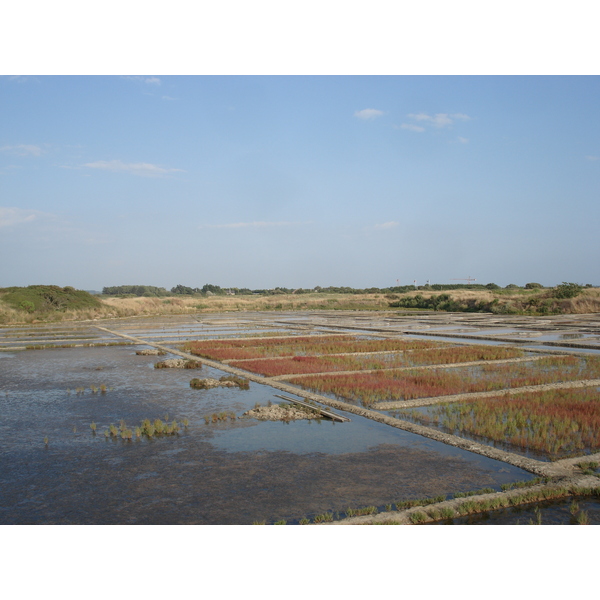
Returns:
<point x="298" y="181"/>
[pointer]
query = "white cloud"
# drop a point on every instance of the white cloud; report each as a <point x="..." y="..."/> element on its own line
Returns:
<point x="23" y="150"/>
<point x="142" y="169"/>
<point x="412" y="127"/>
<point x="255" y="224"/>
<point x="10" y="215"/>
<point x="388" y="225"/>
<point x="593" y="157"/>
<point x="368" y="114"/>
<point x="439" y="120"/>
<point x="463" y="140"/>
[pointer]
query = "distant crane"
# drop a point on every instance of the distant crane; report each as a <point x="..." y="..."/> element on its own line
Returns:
<point x="469" y="279"/>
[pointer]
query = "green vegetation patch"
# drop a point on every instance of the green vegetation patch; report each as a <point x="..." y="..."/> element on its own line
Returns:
<point x="48" y="298"/>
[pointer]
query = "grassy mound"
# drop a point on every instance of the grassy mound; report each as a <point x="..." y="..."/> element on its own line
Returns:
<point x="43" y="299"/>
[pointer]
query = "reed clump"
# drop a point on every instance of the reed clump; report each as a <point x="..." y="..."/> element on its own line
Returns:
<point x="218" y="417"/>
<point x="485" y="490"/>
<point x="147" y="428"/>
<point x="404" y="504"/>
<point x="324" y="518"/>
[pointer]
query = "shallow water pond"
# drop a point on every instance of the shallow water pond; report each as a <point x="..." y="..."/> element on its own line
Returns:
<point x="229" y="472"/>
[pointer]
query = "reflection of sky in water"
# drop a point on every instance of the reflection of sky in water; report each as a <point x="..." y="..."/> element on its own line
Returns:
<point x="359" y="435"/>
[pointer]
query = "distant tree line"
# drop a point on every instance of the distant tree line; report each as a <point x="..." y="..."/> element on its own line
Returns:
<point x="209" y="289"/>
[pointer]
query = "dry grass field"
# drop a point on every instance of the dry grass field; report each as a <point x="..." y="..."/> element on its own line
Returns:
<point x="509" y="301"/>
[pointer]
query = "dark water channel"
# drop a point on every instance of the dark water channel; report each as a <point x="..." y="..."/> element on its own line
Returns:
<point x="228" y="473"/>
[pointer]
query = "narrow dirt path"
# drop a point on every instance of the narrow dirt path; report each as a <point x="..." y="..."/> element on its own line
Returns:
<point x="580" y="383"/>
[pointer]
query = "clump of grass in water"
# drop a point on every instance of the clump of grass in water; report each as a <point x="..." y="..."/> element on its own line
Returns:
<point x="46" y="441"/>
<point x="522" y="484"/>
<point x="419" y="502"/>
<point x="538" y="517"/>
<point x="304" y="521"/>
<point x="485" y="490"/>
<point x="583" y="518"/>
<point x="282" y="522"/>
<point x="93" y="427"/>
<point x="574" y="507"/>
<point x="103" y="388"/>
<point x="324" y="518"/>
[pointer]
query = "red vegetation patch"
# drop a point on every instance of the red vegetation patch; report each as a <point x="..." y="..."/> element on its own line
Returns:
<point x="556" y="422"/>
<point x="295" y="346"/>
<point x="324" y="364"/>
<point x="404" y="385"/>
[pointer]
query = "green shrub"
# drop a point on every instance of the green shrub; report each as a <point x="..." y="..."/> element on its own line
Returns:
<point x="48" y="298"/>
<point x="567" y="290"/>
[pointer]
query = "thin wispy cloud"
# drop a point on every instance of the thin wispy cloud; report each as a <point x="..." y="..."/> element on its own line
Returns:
<point x="368" y="114"/>
<point x="437" y="121"/>
<point x="388" y="225"/>
<point x="593" y="157"/>
<point x="141" y="169"/>
<point x="11" y="216"/>
<point x="44" y="227"/>
<point x="143" y="79"/>
<point x="255" y="224"/>
<point x="412" y="127"/>
<point x="23" y="150"/>
<point x="463" y="140"/>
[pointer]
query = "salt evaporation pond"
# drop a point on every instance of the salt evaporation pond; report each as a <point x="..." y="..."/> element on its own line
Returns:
<point x="232" y="472"/>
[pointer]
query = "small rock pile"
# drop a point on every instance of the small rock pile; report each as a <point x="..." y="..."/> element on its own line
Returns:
<point x="225" y="381"/>
<point x="178" y="363"/>
<point x="209" y="382"/>
<point x="277" y="412"/>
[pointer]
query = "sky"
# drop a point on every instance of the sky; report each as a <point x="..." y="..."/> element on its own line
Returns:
<point x="267" y="143"/>
<point x="298" y="181"/>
